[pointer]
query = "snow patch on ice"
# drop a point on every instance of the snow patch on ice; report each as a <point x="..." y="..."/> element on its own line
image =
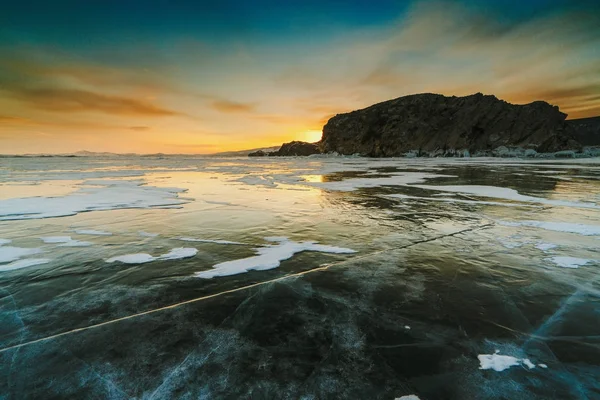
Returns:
<point x="407" y="327"/>
<point x="545" y="246"/>
<point x="147" y="234"/>
<point x="10" y="253"/>
<point x="92" y="232"/>
<point x="269" y="257"/>
<point x="580" y="229"/>
<point x="28" y="262"/>
<point x="542" y="366"/>
<point x="505" y="193"/>
<point x="569" y="262"/>
<point x="217" y="241"/>
<point x="94" y="195"/>
<point x="500" y="363"/>
<point x="138" y="258"/>
<point x="142" y="258"/>
<point x="5" y="241"/>
<point x="408" y="397"/>
<point x="400" y="179"/>
<point x="180" y="252"/>
<point x="65" y="241"/>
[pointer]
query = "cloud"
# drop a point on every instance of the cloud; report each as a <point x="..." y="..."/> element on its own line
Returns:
<point x="74" y="100"/>
<point x="227" y="106"/>
<point x="139" y="128"/>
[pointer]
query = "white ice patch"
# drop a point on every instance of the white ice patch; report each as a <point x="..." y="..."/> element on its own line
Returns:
<point x="257" y="180"/>
<point x="142" y="258"/>
<point x="138" y="258"/>
<point x="4" y="241"/>
<point x="542" y="366"/>
<point x="545" y="246"/>
<point x="178" y="253"/>
<point x="92" y="232"/>
<point x="65" y="241"/>
<point x="217" y="241"/>
<point x="10" y="253"/>
<point x="28" y="262"/>
<point x="147" y="234"/>
<point x="500" y="363"/>
<point x="505" y="193"/>
<point x="94" y="195"/>
<point x="580" y="229"/>
<point x="569" y="262"/>
<point x="400" y="179"/>
<point x="407" y="327"/>
<point x="269" y="257"/>
<point x="408" y="397"/>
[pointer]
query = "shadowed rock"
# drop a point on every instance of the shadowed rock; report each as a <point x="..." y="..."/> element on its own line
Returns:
<point x="297" y="148"/>
<point x="438" y="125"/>
<point x="586" y="130"/>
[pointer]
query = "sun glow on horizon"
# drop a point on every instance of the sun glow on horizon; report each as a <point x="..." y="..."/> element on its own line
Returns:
<point x="312" y="136"/>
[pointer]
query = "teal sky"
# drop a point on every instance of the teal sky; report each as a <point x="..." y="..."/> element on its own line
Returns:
<point x="199" y="77"/>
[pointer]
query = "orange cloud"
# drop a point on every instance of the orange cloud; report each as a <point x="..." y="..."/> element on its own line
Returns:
<point x="227" y="106"/>
<point x="82" y="100"/>
<point x="139" y="128"/>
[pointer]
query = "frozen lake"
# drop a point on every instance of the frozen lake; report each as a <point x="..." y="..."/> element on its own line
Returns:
<point x="189" y="277"/>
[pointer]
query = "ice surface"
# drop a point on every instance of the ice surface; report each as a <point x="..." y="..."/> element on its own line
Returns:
<point x="542" y="366"/>
<point x="569" y="262"/>
<point x="217" y="241"/>
<point x="505" y="193"/>
<point x="138" y="258"/>
<point x="65" y="241"/>
<point x="269" y="257"/>
<point x="459" y="201"/>
<point x="147" y="234"/>
<point x="28" y="262"/>
<point x="545" y="246"/>
<point x="10" y="253"/>
<point x="400" y="179"/>
<point x="500" y="363"/>
<point x="142" y="258"/>
<point x="94" y="195"/>
<point x="93" y="232"/>
<point x="581" y="229"/>
<point x="4" y="241"/>
<point x="181" y="252"/>
<point x="408" y="397"/>
<point x="407" y="327"/>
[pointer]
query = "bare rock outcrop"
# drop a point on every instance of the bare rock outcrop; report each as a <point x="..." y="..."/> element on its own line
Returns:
<point x="440" y="125"/>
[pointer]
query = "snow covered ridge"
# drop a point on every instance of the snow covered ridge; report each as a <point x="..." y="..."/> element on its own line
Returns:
<point x="269" y="257"/>
<point x="93" y="195"/>
<point x="142" y="258"/>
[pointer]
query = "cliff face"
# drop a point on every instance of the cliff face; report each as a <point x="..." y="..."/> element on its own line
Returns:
<point x="438" y="124"/>
<point x="586" y="130"/>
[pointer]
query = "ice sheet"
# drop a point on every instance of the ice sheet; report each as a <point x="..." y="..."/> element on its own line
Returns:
<point x="94" y="195"/>
<point x="10" y="253"/>
<point x="65" y="241"/>
<point x="500" y="363"/>
<point x="142" y="258"/>
<point x="92" y="232"/>
<point x="569" y="262"/>
<point x="269" y="257"/>
<point x="580" y="229"/>
<point x="217" y="241"/>
<point x="505" y="193"/>
<point x="28" y="262"/>
<point x="400" y="179"/>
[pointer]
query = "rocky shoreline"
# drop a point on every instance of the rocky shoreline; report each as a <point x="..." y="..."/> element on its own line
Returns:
<point x="432" y="125"/>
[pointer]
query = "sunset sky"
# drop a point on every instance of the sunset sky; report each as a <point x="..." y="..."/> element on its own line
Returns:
<point x="202" y="77"/>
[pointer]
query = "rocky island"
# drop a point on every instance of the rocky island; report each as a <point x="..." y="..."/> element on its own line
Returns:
<point x="436" y="125"/>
